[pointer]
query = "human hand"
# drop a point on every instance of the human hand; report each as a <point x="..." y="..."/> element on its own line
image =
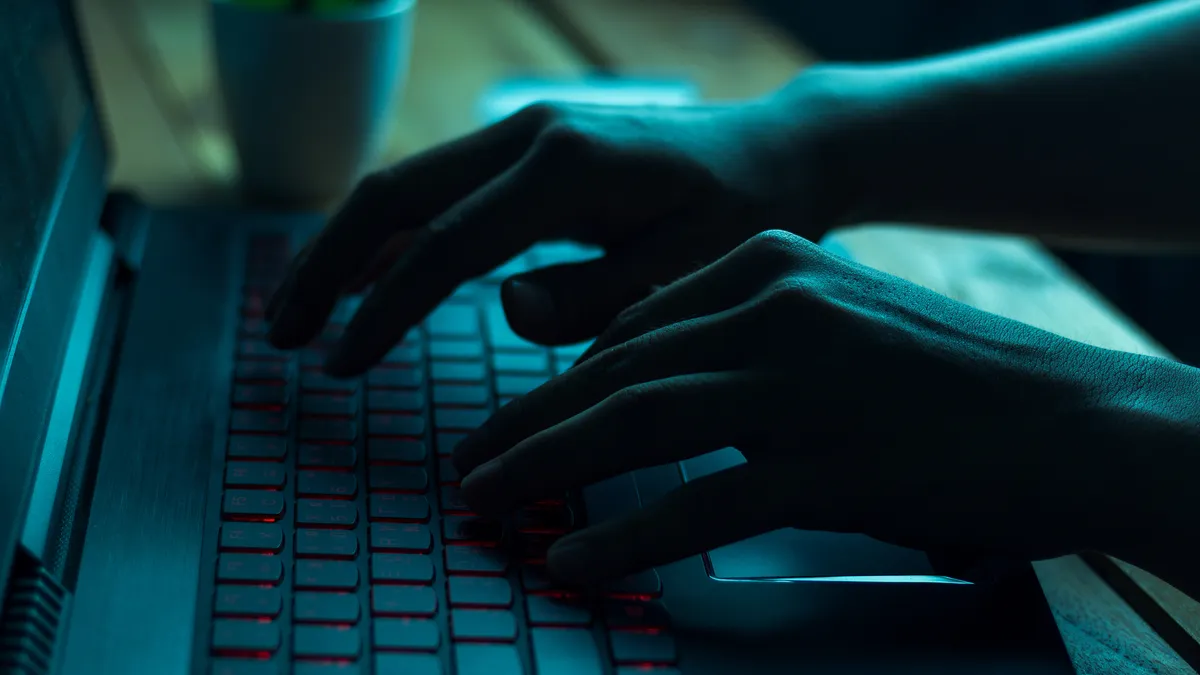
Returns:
<point x="863" y="403"/>
<point x="663" y="190"/>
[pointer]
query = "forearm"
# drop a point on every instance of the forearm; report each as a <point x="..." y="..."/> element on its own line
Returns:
<point x="1146" y="439"/>
<point x="1090" y="134"/>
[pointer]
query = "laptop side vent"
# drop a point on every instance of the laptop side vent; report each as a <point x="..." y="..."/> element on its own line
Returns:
<point x="33" y="610"/>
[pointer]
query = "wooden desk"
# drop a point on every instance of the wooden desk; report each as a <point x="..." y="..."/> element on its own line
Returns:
<point x="152" y="61"/>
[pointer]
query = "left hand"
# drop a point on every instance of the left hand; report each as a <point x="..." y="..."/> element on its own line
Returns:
<point x="863" y="403"/>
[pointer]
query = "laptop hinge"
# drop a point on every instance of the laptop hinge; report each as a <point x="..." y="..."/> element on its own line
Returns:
<point x="35" y="608"/>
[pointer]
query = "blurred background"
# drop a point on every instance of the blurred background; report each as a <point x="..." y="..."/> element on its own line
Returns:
<point x="154" y="64"/>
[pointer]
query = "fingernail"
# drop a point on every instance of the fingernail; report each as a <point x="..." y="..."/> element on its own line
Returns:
<point x="534" y="301"/>
<point x="568" y="560"/>
<point x="482" y="487"/>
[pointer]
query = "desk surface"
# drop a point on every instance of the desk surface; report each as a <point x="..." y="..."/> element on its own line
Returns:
<point x="153" y="64"/>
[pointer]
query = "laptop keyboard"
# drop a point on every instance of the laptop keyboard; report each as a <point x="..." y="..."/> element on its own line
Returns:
<point x="343" y="545"/>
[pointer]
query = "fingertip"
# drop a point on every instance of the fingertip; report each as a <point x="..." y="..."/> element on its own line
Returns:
<point x="569" y="560"/>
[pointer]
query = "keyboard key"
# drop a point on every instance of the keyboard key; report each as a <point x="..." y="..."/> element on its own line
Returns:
<point x="475" y="560"/>
<point x="326" y="574"/>
<point x="248" y="601"/>
<point x="260" y="372"/>
<point x="480" y="592"/>
<point x="409" y="634"/>
<point x="272" y="448"/>
<point x="462" y="419"/>
<point x="403" y="600"/>
<point x="393" y="478"/>
<point x="456" y="349"/>
<point x="249" y="568"/>
<point x="559" y="651"/>
<point x="313" y="456"/>
<point x="460" y="321"/>
<point x="395" y="450"/>
<point x="330" y="642"/>
<point x="561" y="366"/>
<point x="525" y="364"/>
<point x="316" y="381"/>
<point x="457" y="371"/>
<point x="447" y="474"/>
<point x="252" y="504"/>
<point x="452" y="501"/>
<point x="243" y="667"/>
<point x="328" y="668"/>
<point x="644" y="583"/>
<point x="328" y="405"/>
<point x="327" y="429"/>
<point x="483" y="625"/>
<point x="408" y="353"/>
<point x="254" y="474"/>
<point x="404" y="507"/>
<point x="321" y="607"/>
<point x="257" y="422"/>
<point x="259" y="395"/>
<point x="381" y="424"/>
<point x="395" y="400"/>
<point x="534" y="579"/>
<point x="251" y="537"/>
<point x="471" y="528"/>
<point x="636" y="647"/>
<point x="400" y="538"/>
<point x="549" y="611"/>
<point x="395" y="378"/>
<point x="326" y="543"/>
<point x="477" y="659"/>
<point x="518" y="385"/>
<point x="460" y="394"/>
<point x="243" y="635"/>
<point x="636" y="615"/>
<point x="326" y="484"/>
<point x="402" y="568"/>
<point x="327" y="512"/>
<point x="255" y="348"/>
<point x="408" y="664"/>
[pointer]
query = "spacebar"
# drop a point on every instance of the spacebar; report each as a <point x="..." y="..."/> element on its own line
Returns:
<point x="610" y="498"/>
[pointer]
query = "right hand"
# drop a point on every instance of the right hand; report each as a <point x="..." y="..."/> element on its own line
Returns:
<point x="663" y="190"/>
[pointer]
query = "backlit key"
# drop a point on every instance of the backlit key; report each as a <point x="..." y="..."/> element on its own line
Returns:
<point x="483" y="625"/>
<point x="549" y="611"/>
<point x="391" y="478"/>
<point x="327" y="429"/>
<point x="401" y="568"/>
<point x="252" y="504"/>
<point x="457" y="371"/>
<point x="400" y="663"/>
<point x="565" y="651"/>
<point x="475" y="560"/>
<point x="395" y="378"/>
<point x="460" y="419"/>
<point x="253" y="395"/>
<point x="331" y="642"/>
<point x="395" y="451"/>
<point x="395" y="400"/>
<point x="326" y="574"/>
<point x="326" y="484"/>
<point x="401" y="507"/>
<point x="251" y="537"/>
<point x="471" y="528"/>
<point x="257" y="421"/>
<point x="243" y="635"/>
<point x="518" y="385"/>
<point x="255" y="474"/>
<point x="389" y="600"/>
<point x="480" y="592"/>
<point x="637" y="647"/>
<point x="249" y="568"/>
<point x="313" y="456"/>
<point x="314" y="381"/>
<point x="485" y="659"/>
<point x="325" y="607"/>
<point x="326" y="543"/>
<point x="247" y="601"/>
<point x="328" y="405"/>
<point x="381" y="424"/>
<point x="400" y="538"/>
<point x="326" y="512"/>
<point x="407" y="634"/>
<point x="272" y="448"/>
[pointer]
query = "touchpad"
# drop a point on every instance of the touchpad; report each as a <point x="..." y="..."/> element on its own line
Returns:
<point x="792" y="553"/>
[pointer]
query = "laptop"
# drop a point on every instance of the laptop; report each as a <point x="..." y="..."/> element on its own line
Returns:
<point x="176" y="497"/>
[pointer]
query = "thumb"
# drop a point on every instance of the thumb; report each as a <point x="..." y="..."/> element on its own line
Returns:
<point x="563" y="304"/>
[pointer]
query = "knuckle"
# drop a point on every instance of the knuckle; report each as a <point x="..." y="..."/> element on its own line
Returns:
<point x="633" y="404"/>
<point x="775" y="246"/>
<point x="562" y="141"/>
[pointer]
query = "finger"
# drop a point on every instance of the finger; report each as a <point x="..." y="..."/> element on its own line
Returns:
<point x="730" y="281"/>
<point x="564" y="304"/>
<point x="690" y="347"/>
<point x="644" y="425"/>
<point x="701" y="515"/>
<point x="475" y="236"/>
<point x="391" y="252"/>
<point x="406" y="196"/>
